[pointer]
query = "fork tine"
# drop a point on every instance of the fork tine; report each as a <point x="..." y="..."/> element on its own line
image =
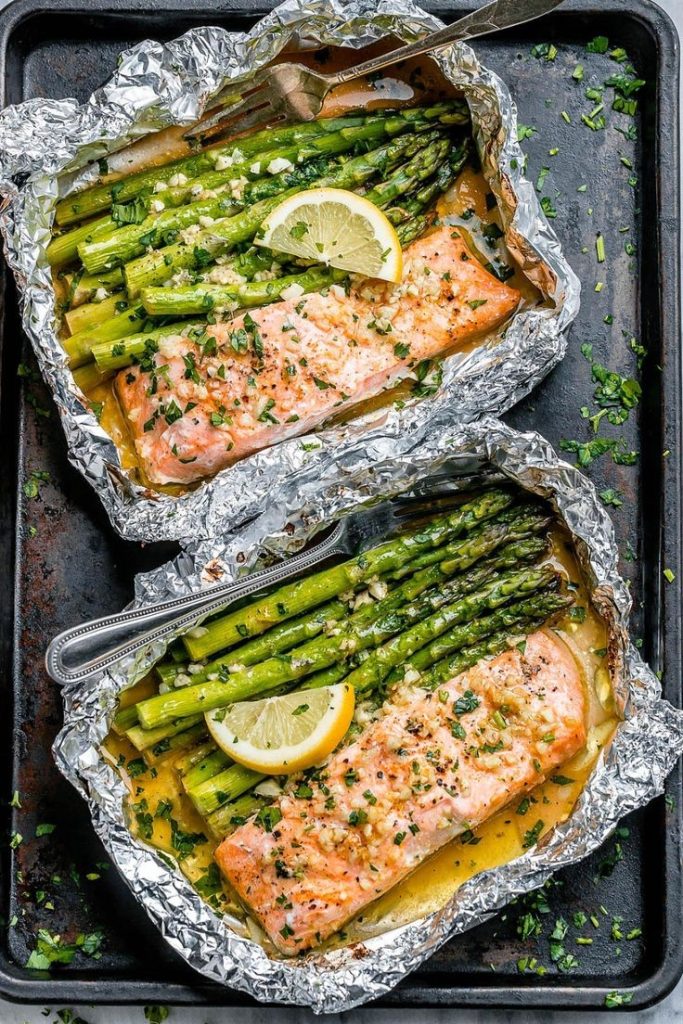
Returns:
<point x="250" y="100"/>
<point x="229" y="103"/>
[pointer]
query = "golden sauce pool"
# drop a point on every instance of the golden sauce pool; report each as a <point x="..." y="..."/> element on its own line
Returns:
<point x="468" y="206"/>
<point x="498" y="841"/>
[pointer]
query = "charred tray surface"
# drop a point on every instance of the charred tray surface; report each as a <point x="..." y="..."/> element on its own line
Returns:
<point x="57" y="548"/>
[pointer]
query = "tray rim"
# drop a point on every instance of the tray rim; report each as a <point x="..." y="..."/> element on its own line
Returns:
<point x="16" y="985"/>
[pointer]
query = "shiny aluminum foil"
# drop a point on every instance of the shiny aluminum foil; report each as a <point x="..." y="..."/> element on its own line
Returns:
<point x="46" y="146"/>
<point x="631" y="771"/>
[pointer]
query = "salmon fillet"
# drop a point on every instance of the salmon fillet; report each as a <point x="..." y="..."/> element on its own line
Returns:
<point x="195" y="407"/>
<point x="435" y="765"/>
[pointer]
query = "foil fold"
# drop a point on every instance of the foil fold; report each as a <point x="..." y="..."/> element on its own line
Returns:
<point x="47" y="145"/>
<point x="630" y="771"/>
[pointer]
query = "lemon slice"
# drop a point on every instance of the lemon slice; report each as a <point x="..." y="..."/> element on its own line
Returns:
<point x="280" y="735"/>
<point x="338" y="228"/>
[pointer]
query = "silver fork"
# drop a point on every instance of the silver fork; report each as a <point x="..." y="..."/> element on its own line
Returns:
<point x="96" y="646"/>
<point x="292" y="92"/>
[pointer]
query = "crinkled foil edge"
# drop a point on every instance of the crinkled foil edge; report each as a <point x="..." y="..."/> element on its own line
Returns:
<point x="156" y="85"/>
<point x="630" y="772"/>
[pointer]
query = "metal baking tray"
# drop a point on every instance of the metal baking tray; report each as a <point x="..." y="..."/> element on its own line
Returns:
<point x="62" y="563"/>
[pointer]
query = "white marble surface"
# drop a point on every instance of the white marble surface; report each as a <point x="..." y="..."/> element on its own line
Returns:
<point x="669" y="1011"/>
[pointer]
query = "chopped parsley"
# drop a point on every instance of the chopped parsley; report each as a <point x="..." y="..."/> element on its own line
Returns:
<point x="466" y="703"/>
<point x="531" y="835"/>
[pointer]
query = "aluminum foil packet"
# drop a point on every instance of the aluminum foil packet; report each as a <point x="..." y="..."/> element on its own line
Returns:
<point x="629" y="772"/>
<point x="47" y="146"/>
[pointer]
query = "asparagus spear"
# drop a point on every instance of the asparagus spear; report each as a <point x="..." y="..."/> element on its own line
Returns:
<point x="181" y="741"/>
<point x="469" y="656"/>
<point x="83" y="287"/>
<point x="202" y="298"/>
<point x="189" y="758"/>
<point x="214" y="762"/>
<point x="100" y="197"/>
<point x="158" y="266"/>
<point x="89" y="376"/>
<point x="323" y="652"/>
<point x="232" y="815"/>
<point x="540" y="606"/>
<point x="512" y="524"/>
<point x="422" y="198"/>
<point x="224" y="787"/>
<point x="297" y="597"/>
<point x="90" y="314"/>
<point x="278" y="639"/>
<point x="404" y="179"/>
<point x="64" y="248"/>
<point x="166" y="671"/>
<point x="143" y="739"/>
<point x="128" y="321"/>
<point x="125" y="719"/>
<point x="112" y="355"/>
<point x="415" y="227"/>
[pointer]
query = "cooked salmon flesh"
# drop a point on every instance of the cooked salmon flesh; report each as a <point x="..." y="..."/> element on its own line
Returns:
<point x="195" y="407"/>
<point x="431" y="767"/>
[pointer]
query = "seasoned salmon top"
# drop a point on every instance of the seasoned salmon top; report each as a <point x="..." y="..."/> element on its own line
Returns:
<point x="205" y="400"/>
<point x="433" y="766"/>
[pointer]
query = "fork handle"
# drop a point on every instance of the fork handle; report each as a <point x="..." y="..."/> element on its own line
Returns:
<point x="95" y="646"/>
<point x="491" y="18"/>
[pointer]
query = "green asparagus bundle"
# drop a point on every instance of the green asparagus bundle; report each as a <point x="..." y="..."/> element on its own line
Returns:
<point x="101" y="197"/>
<point x="297" y="597"/>
<point x="514" y="524"/>
<point x="128" y="322"/>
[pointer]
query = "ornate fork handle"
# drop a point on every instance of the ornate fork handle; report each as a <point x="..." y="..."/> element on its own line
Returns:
<point x="491" y="18"/>
<point x="95" y="646"/>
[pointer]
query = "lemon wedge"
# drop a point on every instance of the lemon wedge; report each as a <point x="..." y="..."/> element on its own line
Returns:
<point x="281" y="735"/>
<point x="338" y="228"/>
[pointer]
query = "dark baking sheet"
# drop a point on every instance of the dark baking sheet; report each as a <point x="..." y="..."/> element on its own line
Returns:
<point x="62" y="563"/>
